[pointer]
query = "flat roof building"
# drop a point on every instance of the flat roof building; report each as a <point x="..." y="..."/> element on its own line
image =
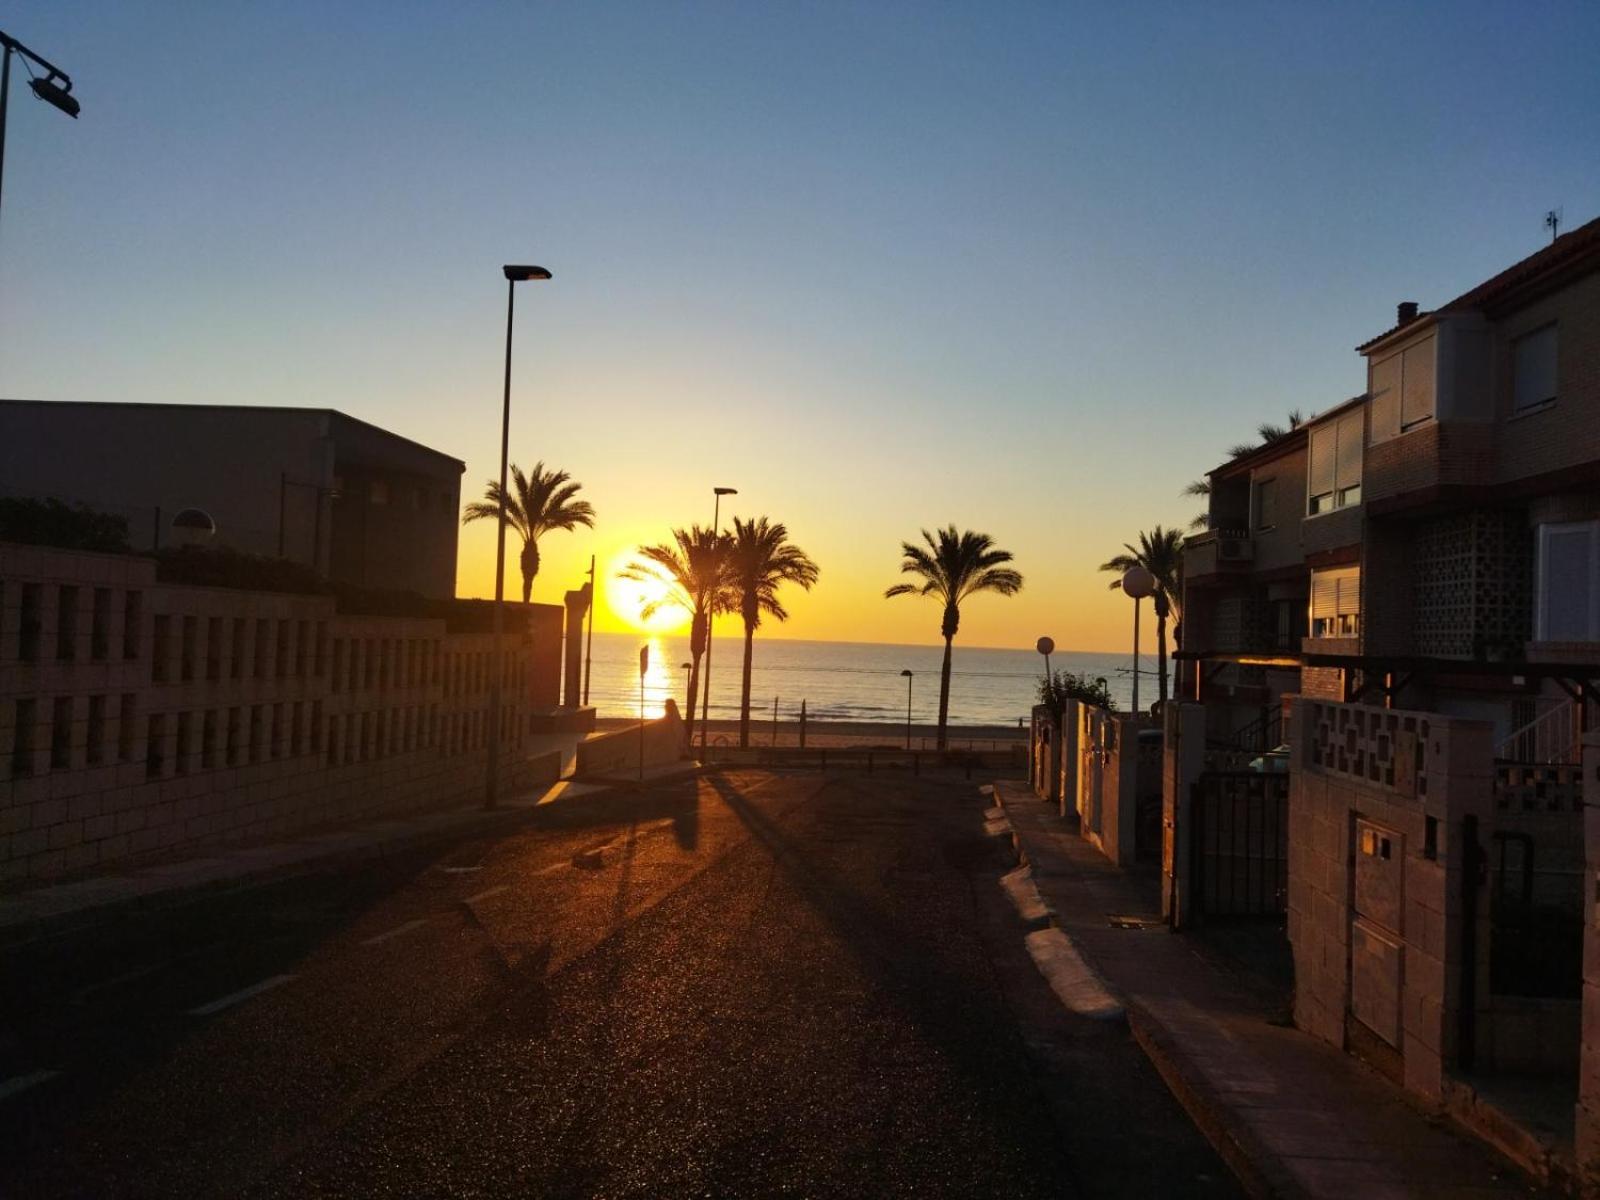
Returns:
<point x="360" y="504"/>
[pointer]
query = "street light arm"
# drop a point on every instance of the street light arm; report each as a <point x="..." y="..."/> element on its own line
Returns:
<point x="10" y="43"/>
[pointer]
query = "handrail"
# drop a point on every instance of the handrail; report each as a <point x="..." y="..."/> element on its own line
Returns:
<point x="1548" y="738"/>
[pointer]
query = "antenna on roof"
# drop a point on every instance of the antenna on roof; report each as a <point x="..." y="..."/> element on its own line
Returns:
<point x="1552" y="222"/>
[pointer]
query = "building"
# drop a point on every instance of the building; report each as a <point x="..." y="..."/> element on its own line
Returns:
<point x="1433" y="543"/>
<point x="364" y="506"/>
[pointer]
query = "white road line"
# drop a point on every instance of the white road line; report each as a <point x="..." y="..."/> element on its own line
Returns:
<point x="18" y="1084"/>
<point x="397" y="931"/>
<point x="243" y="994"/>
<point x="553" y="868"/>
<point x="486" y="893"/>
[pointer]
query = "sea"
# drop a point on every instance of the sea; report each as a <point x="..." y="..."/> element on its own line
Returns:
<point x="847" y="681"/>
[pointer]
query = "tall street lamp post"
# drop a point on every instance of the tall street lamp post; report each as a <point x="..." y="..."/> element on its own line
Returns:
<point x="716" y="532"/>
<point x="1138" y="583"/>
<point x="908" y="678"/>
<point x="514" y="275"/>
<point x="687" y="669"/>
<point x="1046" y="646"/>
<point x="55" y="89"/>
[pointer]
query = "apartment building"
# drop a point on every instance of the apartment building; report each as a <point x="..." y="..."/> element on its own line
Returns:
<point x="1442" y="529"/>
<point x="361" y="505"/>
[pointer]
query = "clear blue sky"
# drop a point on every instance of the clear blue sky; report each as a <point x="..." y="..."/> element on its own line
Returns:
<point x="1028" y="268"/>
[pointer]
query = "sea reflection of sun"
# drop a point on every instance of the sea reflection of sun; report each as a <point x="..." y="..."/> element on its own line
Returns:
<point x="632" y="599"/>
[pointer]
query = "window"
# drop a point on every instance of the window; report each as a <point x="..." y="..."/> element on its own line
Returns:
<point x="132" y="615"/>
<point x="61" y="733"/>
<point x="1335" y="474"/>
<point x="1401" y="390"/>
<point x="95" y="744"/>
<point x="1336" y="603"/>
<point x="378" y="492"/>
<point x="66" y="623"/>
<point x="100" y="625"/>
<point x="28" y="629"/>
<point x="125" y="729"/>
<point x="163" y="647"/>
<point x="1568" y="601"/>
<point x="418" y="499"/>
<point x="22" y="738"/>
<point x="1266" y="503"/>
<point x="1533" y="360"/>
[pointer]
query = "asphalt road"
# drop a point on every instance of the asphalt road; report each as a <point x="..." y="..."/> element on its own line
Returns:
<point x="749" y="984"/>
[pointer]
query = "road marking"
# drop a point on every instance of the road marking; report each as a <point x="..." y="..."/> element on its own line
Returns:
<point x="18" y="1084"/>
<point x="460" y="870"/>
<point x="553" y="868"/>
<point x="486" y="893"/>
<point x="397" y="931"/>
<point x="82" y="994"/>
<point x="243" y="994"/>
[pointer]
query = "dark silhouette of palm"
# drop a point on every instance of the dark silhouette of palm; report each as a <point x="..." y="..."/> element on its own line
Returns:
<point x="693" y="571"/>
<point x="1268" y="433"/>
<point x="1161" y="553"/>
<point x="952" y="567"/>
<point x="760" y="560"/>
<point x="539" y="502"/>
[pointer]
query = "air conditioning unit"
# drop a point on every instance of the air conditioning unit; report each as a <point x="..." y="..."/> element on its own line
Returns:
<point x="1235" y="549"/>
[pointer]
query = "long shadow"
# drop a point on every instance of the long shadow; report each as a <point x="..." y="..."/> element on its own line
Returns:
<point x="908" y="964"/>
<point x="677" y="800"/>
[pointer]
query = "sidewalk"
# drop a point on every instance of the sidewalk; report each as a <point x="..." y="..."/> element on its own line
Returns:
<point x="59" y="907"/>
<point x="1293" y="1116"/>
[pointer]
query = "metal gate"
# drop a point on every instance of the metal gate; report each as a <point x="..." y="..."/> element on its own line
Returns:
<point x="1239" y="849"/>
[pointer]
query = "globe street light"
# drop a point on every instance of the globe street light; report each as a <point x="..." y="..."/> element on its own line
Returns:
<point x="716" y="532"/>
<point x="1046" y="646"/>
<point x="908" y="678"/>
<point x="1138" y="583"/>
<point x="55" y="89"/>
<point x="514" y="275"/>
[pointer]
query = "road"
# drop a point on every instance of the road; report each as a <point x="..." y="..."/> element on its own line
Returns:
<point x="745" y="984"/>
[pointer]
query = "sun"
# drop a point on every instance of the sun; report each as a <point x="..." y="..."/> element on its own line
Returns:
<point x="628" y="598"/>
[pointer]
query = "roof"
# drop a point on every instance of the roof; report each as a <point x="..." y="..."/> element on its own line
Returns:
<point x="271" y="409"/>
<point x="1266" y="452"/>
<point x="1567" y="252"/>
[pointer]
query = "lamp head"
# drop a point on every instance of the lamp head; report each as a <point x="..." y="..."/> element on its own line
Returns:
<point x="58" y="95"/>
<point x="523" y="274"/>
<point x="1045" y="645"/>
<point x="722" y="491"/>
<point x="1138" y="582"/>
<point x="905" y="674"/>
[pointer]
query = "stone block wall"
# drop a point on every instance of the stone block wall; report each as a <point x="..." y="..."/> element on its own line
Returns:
<point x="1381" y="806"/>
<point x="140" y="719"/>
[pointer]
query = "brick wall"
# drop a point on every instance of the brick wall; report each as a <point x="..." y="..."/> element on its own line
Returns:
<point x="1567" y="432"/>
<point x="140" y="719"/>
<point x="1379" y="807"/>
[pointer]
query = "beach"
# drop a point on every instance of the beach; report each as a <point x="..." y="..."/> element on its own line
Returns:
<point x="851" y="734"/>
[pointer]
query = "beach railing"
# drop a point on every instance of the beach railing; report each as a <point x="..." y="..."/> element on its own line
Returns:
<point x="869" y="759"/>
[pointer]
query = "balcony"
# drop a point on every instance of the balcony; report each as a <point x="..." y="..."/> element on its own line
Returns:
<point x="1218" y="551"/>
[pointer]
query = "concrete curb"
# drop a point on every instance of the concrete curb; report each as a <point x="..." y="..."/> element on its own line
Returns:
<point x="1257" y="1168"/>
<point x="140" y="892"/>
<point x="1075" y="983"/>
<point x="1025" y="896"/>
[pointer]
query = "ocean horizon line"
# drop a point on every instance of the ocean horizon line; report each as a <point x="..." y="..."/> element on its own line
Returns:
<point x="935" y="643"/>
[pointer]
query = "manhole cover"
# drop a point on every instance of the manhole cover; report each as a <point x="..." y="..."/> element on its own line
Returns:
<point x="1134" y="922"/>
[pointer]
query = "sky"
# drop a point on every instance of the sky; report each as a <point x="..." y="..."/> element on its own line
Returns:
<point x="1027" y="269"/>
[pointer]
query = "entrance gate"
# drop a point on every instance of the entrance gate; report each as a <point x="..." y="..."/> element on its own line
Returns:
<point x="1240" y="845"/>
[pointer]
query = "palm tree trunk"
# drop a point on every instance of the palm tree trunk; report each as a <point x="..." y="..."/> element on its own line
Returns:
<point x="530" y="567"/>
<point x="944" y="690"/>
<point x="744" y="696"/>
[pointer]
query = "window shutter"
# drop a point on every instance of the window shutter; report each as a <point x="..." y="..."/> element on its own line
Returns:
<point x="1566" y="582"/>
<point x="1535" y="365"/>
<point x="1416" y="397"/>
<point x="1349" y="452"/>
<point x="1324" y="595"/>
<point x="1383" y="385"/>
<point x="1350" y="593"/>
<point x="1322" y="459"/>
<point x="1266" y="504"/>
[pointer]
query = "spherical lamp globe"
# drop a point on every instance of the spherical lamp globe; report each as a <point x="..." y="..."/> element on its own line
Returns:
<point x="1045" y="646"/>
<point x="1138" y="583"/>
<point x="193" y="527"/>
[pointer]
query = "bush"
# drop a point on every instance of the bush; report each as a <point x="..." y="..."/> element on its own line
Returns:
<point x="218" y="566"/>
<point x="69" y="527"/>
<point x="1064" y="685"/>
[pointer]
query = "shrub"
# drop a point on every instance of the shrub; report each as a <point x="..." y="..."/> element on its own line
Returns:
<point x="50" y="522"/>
<point x="1054" y="692"/>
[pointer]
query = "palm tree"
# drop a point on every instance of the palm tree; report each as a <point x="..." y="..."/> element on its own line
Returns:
<point x="760" y="559"/>
<point x="539" y="502"/>
<point x="955" y="565"/>
<point x="693" y="574"/>
<point x="1268" y="433"/>
<point x="1161" y="553"/>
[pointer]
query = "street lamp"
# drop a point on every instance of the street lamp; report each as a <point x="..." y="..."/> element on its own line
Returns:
<point x="514" y="275"/>
<point x="1138" y="583"/>
<point x="55" y="89"/>
<point x="716" y="532"/>
<point x="687" y="669"/>
<point x="908" y="678"/>
<point x="1046" y="646"/>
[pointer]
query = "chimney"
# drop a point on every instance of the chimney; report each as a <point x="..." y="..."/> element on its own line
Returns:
<point x="1405" y="312"/>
